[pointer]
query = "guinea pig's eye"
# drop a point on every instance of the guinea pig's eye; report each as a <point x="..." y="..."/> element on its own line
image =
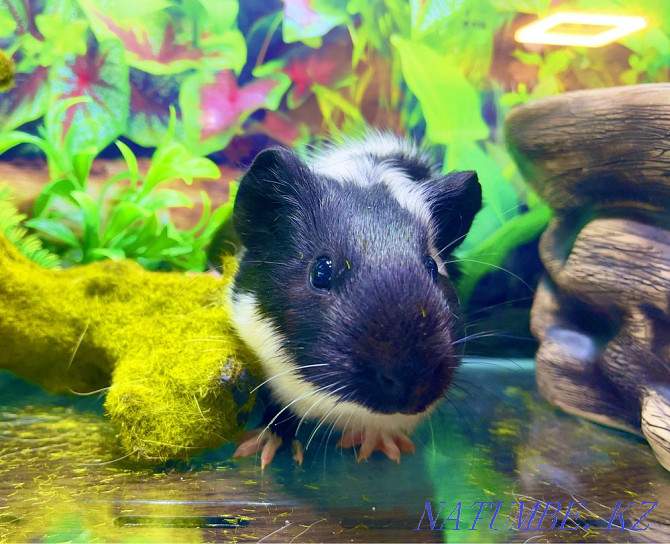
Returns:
<point x="431" y="266"/>
<point x="321" y="274"/>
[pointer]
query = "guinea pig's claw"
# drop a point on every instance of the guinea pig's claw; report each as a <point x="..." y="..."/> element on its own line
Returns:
<point x="255" y="440"/>
<point x="404" y="443"/>
<point x="392" y="445"/>
<point x="249" y="444"/>
<point x="297" y="452"/>
<point x="269" y="450"/>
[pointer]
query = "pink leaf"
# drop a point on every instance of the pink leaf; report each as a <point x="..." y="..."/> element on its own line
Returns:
<point x="302" y="22"/>
<point x="141" y="46"/>
<point x="26" y="100"/>
<point x="222" y="102"/>
<point x="318" y="68"/>
<point x="278" y="127"/>
<point x="102" y="76"/>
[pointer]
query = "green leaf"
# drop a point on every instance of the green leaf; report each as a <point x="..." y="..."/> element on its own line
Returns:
<point x="81" y="164"/>
<point x="532" y="59"/>
<point x="151" y="99"/>
<point x="60" y="187"/>
<point x="123" y="216"/>
<point x="174" y="161"/>
<point x="20" y="12"/>
<point x="450" y="104"/>
<point x="160" y="43"/>
<point x="131" y="161"/>
<point x="556" y="62"/>
<point x="12" y="139"/>
<point x="131" y="9"/>
<point x="107" y="253"/>
<point x="13" y="229"/>
<point x="221" y="13"/>
<point x="204" y="217"/>
<point x="166" y="198"/>
<point x="7" y="24"/>
<point x="651" y="38"/>
<point x="26" y="100"/>
<point x="52" y="129"/>
<point x="221" y="214"/>
<point x="490" y="254"/>
<point x="303" y="21"/>
<point x="91" y="218"/>
<point x="68" y="9"/>
<point x="463" y="28"/>
<point x="330" y="101"/>
<point x="54" y="229"/>
<point x="537" y="7"/>
<point x="61" y="38"/>
<point x="426" y="14"/>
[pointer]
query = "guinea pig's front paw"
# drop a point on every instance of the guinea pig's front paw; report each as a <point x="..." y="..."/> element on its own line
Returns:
<point x="268" y="443"/>
<point x="391" y="444"/>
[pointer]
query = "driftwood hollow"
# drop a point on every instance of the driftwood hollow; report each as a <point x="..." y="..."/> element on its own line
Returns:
<point x="600" y="159"/>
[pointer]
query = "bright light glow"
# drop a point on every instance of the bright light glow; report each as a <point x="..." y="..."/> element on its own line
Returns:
<point x="538" y="32"/>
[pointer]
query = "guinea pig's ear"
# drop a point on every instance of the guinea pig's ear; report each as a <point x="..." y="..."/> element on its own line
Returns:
<point x="455" y="200"/>
<point x="267" y="191"/>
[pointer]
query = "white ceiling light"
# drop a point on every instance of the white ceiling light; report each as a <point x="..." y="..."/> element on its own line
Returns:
<point x="539" y="32"/>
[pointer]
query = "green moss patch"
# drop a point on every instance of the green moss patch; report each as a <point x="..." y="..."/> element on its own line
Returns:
<point x="161" y="344"/>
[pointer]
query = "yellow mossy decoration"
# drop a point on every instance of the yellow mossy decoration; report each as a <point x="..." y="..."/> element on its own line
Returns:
<point x="6" y="71"/>
<point x="179" y="379"/>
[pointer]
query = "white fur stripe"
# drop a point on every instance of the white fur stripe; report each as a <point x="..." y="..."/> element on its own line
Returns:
<point x="361" y="162"/>
<point x="262" y="336"/>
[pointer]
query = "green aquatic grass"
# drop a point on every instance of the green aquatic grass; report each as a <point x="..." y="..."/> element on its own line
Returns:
<point x="129" y="218"/>
<point x="12" y="226"/>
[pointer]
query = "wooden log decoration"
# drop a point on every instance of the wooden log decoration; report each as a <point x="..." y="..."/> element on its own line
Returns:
<point x="602" y="313"/>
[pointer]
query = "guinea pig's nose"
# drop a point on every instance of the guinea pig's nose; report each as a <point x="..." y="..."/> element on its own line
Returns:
<point x="391" y="384"/>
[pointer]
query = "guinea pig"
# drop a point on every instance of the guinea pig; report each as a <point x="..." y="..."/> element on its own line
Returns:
<point x="343" y="293"/>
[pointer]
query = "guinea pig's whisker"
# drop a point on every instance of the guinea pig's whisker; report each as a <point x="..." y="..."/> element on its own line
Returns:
<point x="315" y="403"/>
<point x="285" y="372"/>
<point x="467" y="427"/>
<point x="89" y="392"/>
<point x="473" y="336"/>
<point x="343" y="398"/>
<point x="267" y="262"/>
<point x="511" y="209"/>
<point x="459" y="260"/>
<point x="323" y="419"/>
<point x="494" y="364"/>
<point x="451" y="244"/>
<point x="482" y="334"/>
<point x="487" y="359"/>
<point x="485" y="308"/>
<point x="330" y="374"/>
<point x="325" y="416"/>
<point x="221" y="338"/>
<point x="291" y="404"/>
<point x="460" y="388"/>
<point x="326" y="437"/>
<point x="494" y="334"/>
<point x="432" y="432"/>
<point x="344" y="429"/>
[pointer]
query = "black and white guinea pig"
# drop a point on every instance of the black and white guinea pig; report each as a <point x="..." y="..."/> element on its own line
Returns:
<point x="342" y="289"/>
